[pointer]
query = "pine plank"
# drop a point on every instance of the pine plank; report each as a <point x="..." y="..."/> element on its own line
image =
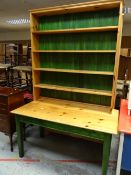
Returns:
<point x="34" y="45"/>
<point x="117" y="56"/>
<point x="72" y="113"/>
<point x="74" y="89"/>
<point x="79" y="7"/>
<point x="91" y="29"/>
<point x="41" y="45"/>
<point x="74" y="71"/>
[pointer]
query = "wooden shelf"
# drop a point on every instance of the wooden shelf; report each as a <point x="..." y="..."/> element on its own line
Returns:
<point x="78" y="30"/>
<point x="77" y="51"/>
<point x="74" y="71"/>
<point x="74" y="89"/>
<point x="80" y="7"/>
<point x="64" y="34"/>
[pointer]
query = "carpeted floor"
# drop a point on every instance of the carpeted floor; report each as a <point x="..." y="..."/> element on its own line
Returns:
<point x="54" y="155"/>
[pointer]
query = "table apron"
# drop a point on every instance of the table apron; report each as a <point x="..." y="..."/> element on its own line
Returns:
<point x="82" y="132"/>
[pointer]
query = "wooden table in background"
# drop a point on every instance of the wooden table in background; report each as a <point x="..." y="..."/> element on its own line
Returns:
<point x="69" y="117"/>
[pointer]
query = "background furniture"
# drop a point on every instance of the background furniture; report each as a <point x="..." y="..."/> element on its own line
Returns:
<point x="24" y="78"/>
<point x="4" y="77"/>
<point x="124" y="154"/>
<point x="15" y="64"/>
<point x="9" y="99"/>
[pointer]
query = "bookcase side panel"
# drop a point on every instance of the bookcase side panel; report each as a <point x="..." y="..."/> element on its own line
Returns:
<point x="117" y="56"/>
<point x="35" y="56"/>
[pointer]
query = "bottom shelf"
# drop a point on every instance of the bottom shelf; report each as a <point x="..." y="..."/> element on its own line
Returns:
<point x="77" y="104"/>
<point x="91" y="96"/>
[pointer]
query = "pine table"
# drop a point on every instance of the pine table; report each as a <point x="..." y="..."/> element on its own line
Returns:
<point x="70" y="117"/>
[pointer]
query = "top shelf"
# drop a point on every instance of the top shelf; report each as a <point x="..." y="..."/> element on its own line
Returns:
<point x="79" y="7"/>
<point x="77" y="30"/>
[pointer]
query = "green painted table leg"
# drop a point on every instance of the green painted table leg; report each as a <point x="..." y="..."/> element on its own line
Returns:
<point x="41" y="131"/>
<point x="106" y="153"/>
<point x="105" y="138"/>
<point x="20" y="140"/>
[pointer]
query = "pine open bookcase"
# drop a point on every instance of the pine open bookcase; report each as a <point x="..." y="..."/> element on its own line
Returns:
<point x="75" y="58"/>
<point x="76" y="50"/>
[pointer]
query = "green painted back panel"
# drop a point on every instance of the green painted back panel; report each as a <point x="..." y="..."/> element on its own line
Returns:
<point x="80" y="20"/>
<point x="100" y="82"/>
<point x="87" y="98"/>
<point x="79" y="41"/>
<point x="78" y="61"/>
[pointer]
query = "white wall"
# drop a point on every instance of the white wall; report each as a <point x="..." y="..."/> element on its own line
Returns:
<point x="126" y="29"/>
<point x="15" y="35"/>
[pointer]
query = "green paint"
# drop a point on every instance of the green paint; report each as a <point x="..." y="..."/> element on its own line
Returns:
<point x="62" y="127"/>
<point x="78" y="61"/>
<point x="79" y="41"/>
<point x="20" y="131"/>
<point x="87" y="98"/>
<point x="79" y="20"/>
<point x="106" y="153"/>
<point x="77" y="80"/>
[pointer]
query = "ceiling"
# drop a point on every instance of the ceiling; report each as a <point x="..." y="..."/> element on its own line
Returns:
<point x="15" y="9"/>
